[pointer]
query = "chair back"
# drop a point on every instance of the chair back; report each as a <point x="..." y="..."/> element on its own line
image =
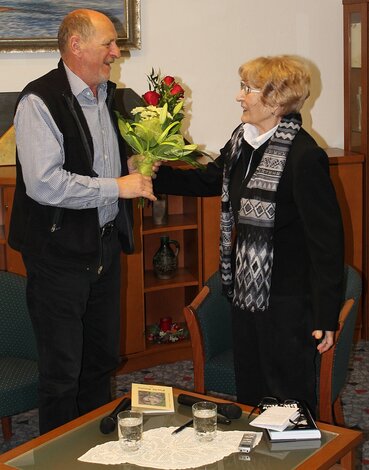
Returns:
<point x="17" y="336"/>
<point x="208" y="319"/>
<point x="343" y="346"/>
<point x="214" y="316"/>
<point x="334" y="363"/>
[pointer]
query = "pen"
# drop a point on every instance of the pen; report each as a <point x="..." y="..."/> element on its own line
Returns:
<point x="182" y="427"/>
<point x="222" y="419"/>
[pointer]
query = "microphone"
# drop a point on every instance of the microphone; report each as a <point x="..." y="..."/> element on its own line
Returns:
<point x="107" y="424"/>
<point x="229" y="410"/>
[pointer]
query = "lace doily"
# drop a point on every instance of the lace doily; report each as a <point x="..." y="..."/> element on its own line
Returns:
<point x="161" y="449"/>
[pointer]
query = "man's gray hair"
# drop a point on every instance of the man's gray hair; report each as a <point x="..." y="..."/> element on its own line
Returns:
<point x="76" y="22"/>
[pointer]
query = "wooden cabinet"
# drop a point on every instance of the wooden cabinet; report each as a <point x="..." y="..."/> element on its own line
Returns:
<point x="355" y="16"/>
<point x="10" y="260"/>
<point x="148" y="298"/>
<point x="346" y="170"/>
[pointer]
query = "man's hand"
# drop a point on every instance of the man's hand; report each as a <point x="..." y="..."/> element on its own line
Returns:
<point x="326" y="343"/>
<point x="135" y="185"/>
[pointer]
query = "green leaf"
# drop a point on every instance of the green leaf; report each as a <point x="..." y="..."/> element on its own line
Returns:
<point x="163" y="113"/>
<point x="191" y="147"/>
<point x="166" y="131"/>
<point x="134" y="142"/>
<point x="178" y="107"/>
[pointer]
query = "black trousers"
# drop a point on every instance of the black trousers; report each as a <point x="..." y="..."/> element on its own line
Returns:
<point x="274" y="353"/>
<point x="76" y="318"/>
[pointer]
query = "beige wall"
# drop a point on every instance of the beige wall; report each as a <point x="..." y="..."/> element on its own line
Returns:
<point x="202" y="42"/>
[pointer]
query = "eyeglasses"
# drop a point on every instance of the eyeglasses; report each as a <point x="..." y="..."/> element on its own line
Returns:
<point x="247" y="89"/>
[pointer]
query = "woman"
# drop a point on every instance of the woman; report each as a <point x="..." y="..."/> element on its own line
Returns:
<point x="281" y="250"/>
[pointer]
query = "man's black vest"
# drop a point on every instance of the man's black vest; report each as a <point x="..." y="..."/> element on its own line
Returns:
<point x="58" y="234"/>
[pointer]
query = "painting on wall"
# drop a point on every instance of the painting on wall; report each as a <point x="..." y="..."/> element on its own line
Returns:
<point x="32" y="25"/>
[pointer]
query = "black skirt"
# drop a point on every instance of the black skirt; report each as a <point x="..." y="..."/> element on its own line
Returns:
<point x="275" y="353"/>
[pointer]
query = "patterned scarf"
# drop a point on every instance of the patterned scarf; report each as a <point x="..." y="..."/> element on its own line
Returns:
<point x="250" y="287"/>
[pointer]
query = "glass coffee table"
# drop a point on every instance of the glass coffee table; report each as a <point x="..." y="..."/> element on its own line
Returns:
<point x="60" y="448"/>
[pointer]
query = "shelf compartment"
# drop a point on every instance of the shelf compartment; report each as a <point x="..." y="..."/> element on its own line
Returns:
<point x="182" y="212"/>
<point x="183" y="278"/>
<point x="188" y="256"/>
<point x="168" y="303"/>
<point x="176" y="222"/>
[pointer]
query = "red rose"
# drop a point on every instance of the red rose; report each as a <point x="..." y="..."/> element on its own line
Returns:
<point x="177" y="90"/>
<point x="168" y="80"/>
<point x="151" y="97"/>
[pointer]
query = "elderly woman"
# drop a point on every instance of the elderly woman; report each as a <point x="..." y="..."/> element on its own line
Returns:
<point x="281" y="249"/>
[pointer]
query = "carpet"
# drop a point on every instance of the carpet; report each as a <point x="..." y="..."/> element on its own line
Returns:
<point x="355" y="397"/>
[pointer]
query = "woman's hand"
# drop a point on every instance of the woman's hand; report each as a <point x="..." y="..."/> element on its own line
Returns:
<point x="326" y="342"/>
<point x="133" y="167"/>
<point x="155" y="168"/>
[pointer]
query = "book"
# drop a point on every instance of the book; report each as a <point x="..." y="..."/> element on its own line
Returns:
<point x="304" y="429"/>
<point x="283" y="446"/>
<point x="154" y="399"/>
<point x="277" y="417"/>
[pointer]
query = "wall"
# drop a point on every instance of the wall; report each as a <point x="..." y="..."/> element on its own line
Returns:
<point x="202" y="43"/>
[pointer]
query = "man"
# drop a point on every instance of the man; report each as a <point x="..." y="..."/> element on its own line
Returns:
<point x="72" y="215"/>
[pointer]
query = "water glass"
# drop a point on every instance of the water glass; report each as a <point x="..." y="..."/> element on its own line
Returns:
<point x="130" y="430"/>
<point x="204" y="415"/>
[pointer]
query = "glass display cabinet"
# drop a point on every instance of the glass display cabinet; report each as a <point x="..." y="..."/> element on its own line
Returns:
<point x="355" y="34"/>
<point x="355" y="74"/>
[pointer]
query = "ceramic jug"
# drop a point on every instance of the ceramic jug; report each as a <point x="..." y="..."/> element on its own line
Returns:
<point x="165" y="260"/>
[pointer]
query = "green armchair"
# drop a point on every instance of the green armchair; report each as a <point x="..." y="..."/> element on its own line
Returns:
<point x="335" y="362"/>
<point x="208" y="319"/>
<point x="18" y="354"/>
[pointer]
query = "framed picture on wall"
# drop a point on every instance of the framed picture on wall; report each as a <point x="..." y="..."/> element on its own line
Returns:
<point x="32" y="25"/>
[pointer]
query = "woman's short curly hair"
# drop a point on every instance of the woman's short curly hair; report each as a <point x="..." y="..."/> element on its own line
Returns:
<point x="284" y="81"/>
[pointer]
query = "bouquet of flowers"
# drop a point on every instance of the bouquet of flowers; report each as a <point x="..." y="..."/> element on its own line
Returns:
<point x="154" y="132"/>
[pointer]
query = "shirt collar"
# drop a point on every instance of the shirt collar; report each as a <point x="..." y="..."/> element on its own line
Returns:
<point x="78" y="86"/>
<point x="252" y="137"/>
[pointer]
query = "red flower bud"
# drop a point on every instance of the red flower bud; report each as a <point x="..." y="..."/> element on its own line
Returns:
<point x="177" y="90"/>
<point x="168" y="80"/>
<point x="151" y="97"/>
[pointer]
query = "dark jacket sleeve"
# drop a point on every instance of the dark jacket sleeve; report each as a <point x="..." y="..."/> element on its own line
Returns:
<point x="191" y="182"/>
<point x="317" y="204"/>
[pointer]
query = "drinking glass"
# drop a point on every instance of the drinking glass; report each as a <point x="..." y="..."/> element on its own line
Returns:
<point x="130" y="430"/>
<point x="204" y="415"/>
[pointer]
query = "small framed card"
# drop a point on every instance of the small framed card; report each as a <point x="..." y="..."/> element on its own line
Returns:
<point x="155" y="399"/>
